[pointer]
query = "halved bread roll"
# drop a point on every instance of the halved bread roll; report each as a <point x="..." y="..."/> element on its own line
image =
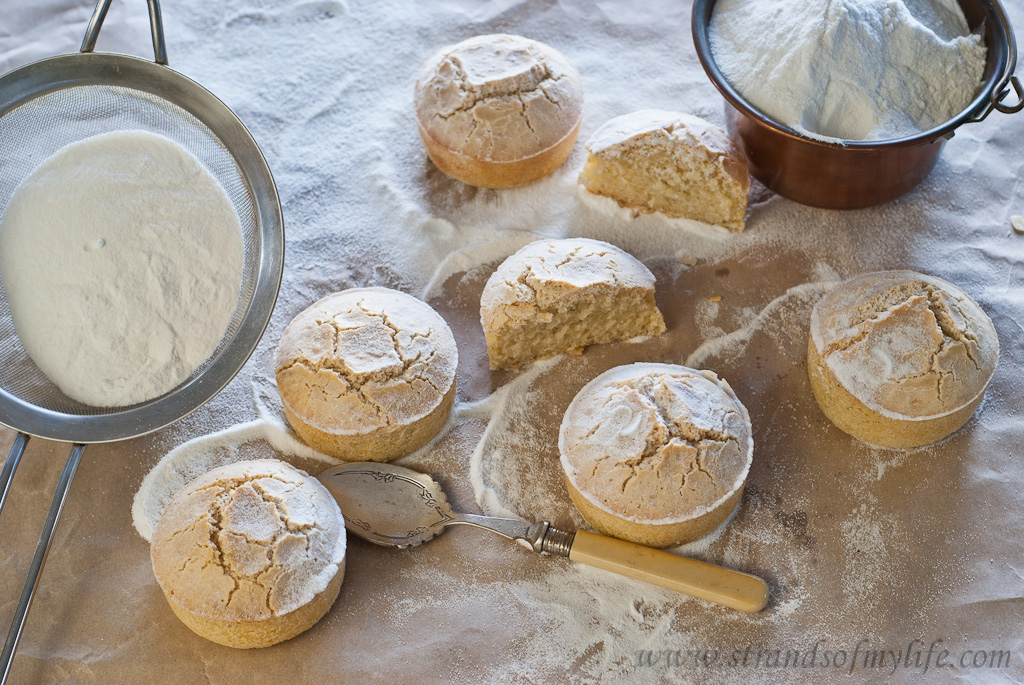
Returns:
<point x="669" y="162"/>
<point x="556" y="296"/>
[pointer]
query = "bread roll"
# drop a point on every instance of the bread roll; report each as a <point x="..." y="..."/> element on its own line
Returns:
<point x="367" y="374"/>
<point x="498" y="111"/>
<point x="556" y="296"/>
<point x="898" y="358"/>
<point x="250" y="554"/>
<point x="668" y="162"/>
<point x="657" y="454"/>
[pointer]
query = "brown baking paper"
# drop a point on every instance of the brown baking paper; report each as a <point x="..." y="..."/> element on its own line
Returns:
<point x="873" y="556"/>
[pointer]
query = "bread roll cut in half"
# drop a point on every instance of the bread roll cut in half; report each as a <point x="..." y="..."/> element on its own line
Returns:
<point x="367" y="374"/>
<point x="498" y="111"/>
<point x="250" y="554"/>
<point x="898" y="358"/>
<point x="657" y="454"/>
<point x="556" y="296"/>
<point x="668" y="162"/>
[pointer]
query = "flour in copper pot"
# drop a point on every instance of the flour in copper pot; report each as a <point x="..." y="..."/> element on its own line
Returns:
<point x="849" y="69"/>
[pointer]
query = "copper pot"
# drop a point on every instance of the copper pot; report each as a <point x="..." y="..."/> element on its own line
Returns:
<point x="859" y="173"/>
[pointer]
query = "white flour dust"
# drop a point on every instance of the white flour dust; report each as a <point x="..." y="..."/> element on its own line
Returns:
<point x="734" y="342"/>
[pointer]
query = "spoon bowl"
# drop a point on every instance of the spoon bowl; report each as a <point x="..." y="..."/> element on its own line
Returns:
<point x="389" y="505"/>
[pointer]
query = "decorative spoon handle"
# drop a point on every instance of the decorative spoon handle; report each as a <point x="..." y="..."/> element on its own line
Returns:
<point x="699" y="579"/>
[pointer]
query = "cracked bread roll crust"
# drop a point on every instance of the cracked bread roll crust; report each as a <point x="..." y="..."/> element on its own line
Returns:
<point x="669" y="162"/>
<point x="498" y="110"/>
<point x="556" y="296"/>
<point x="250" y="554"/>
<point x="367" y="374"/>
<point x="657" y="454"/>
<point x="898" y="358"/>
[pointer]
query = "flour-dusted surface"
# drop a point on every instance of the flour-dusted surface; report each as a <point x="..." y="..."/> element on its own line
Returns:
<point x="121" y="257"/>
<point x="856" y="543"/>
<point x="849" y="69"/>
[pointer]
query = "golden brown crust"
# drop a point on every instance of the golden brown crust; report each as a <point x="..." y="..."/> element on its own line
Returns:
<point x="853" y="417"/>
<point x="376" y="446"/>
<point x="654" y="535"/>
<point x="487" y="174"/>
<point x="255" y="634"/>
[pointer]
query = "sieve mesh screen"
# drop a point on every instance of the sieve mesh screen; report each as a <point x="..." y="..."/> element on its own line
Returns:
<point x="34" y="130"/>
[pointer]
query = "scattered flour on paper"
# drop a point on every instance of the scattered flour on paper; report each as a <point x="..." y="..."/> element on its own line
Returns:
<point x="866" y="541"/>
<point x="598" y="625"/>
<point x="502" y="402"/>
<point x="447" y="237"/>
<point x="372" y="211"/>
<point x="195" y="457"/>
<point x="601" y="619"/>
<point x="734" y="342"/>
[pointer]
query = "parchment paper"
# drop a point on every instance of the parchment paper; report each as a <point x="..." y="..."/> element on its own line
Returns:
<point x="864" y="549"/>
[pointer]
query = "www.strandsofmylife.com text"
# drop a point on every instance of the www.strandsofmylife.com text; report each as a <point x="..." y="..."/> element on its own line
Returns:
<point x="917" y="655"/>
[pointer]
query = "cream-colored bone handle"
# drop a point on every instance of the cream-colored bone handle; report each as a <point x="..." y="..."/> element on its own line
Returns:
<point x="695" y="578"/>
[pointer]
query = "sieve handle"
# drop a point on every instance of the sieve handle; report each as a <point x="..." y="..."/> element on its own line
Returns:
<point x="7" y="473"/>
<point x="7" y="656"/>
<point x="156" y="24"/>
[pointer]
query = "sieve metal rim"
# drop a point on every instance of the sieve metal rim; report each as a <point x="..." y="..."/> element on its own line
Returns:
<point x="46" y="76"/>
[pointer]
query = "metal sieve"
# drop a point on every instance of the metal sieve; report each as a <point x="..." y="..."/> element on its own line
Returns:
<point x="57" y="101"/>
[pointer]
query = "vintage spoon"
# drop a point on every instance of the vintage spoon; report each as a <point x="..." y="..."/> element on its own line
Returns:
<point x="398" y="507"/>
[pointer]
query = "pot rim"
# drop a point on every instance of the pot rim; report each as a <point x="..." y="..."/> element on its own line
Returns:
<point x="988" y="96"/>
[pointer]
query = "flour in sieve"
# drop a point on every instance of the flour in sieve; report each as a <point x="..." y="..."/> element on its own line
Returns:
<point x="121" y="257"/>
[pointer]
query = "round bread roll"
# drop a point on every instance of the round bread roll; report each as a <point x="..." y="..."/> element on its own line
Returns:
<point x="669" y="162"/>
<point x="657" y="454"/>
<point x="367" y="374"/>
<point x="250" y="554"/>
<point x="556" y="296"/>
<point x="498" y="111"/>
<point x="898" y="358"/>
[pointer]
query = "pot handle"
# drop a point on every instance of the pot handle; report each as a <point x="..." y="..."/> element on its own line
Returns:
<point x="1008" y="79"/>
<point x="997" y="102"/>
<point x="156" y="25"/>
